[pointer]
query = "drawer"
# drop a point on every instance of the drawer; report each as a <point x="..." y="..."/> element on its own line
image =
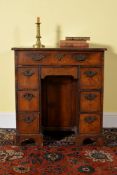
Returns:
<point x="28" y="123"/>
<point x="90" y="101"/>
<point x="28" y="100"/>
<point x="85" y="58"/>
<point x="27" y="78"/>
<point x="32" y="57"/>
<point x="59" y="71"/>
<point x="59" y="58"/>
<point x="91" y="78"/>
<point x="89" y="123"/>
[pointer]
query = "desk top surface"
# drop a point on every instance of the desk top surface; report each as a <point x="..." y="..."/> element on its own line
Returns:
<point x="58" y="49"/>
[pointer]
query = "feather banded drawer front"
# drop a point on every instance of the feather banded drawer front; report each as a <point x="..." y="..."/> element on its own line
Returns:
<point x="59" y="90"/>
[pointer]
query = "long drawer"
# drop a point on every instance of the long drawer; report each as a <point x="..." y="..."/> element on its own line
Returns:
<point x="59" y="58"/>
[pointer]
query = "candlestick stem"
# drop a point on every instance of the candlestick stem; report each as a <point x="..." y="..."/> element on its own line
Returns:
<point x="38" y="36"/>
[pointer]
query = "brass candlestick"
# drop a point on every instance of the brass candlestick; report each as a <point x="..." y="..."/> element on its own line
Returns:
<point x="38" y="42"/>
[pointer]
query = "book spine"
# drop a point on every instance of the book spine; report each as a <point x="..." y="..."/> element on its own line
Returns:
<point x="78" y="38"/>
<point x="74" y="46"/>
<point x="72" y="42"/>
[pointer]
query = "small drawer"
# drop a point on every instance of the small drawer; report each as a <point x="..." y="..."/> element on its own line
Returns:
<point x="28" y="100"/>
<point x="90" y="101"/>
<point x="89" y="123"/>
<point x="28" y="123"/>
<point x="59" y="71"/>
<point x="91" y="78"/>
<point x="27" y="78"/>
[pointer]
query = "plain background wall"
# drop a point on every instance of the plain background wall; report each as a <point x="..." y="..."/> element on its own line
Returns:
<point x="94" y="18"/>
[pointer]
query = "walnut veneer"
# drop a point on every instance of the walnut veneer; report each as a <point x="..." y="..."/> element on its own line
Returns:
<point x="59" y="89"/>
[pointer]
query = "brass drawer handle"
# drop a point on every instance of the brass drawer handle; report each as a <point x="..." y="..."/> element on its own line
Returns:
<point x="90" y="119"/>
<point x="28" y="73"/>
<point x="60" y="56"/>
<point x="80" y="57"/>
<point x="90" y="73"/>
<point x="90" y="96"/>
<point x="37" y="57"/>
<point x="29" y="119"/>
<point x="28" y="96"/>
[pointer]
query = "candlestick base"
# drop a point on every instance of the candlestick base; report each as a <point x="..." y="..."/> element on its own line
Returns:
<point x="37" y="46"/>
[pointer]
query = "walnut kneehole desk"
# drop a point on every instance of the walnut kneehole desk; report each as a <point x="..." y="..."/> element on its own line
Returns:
<point x="59" y="89"/>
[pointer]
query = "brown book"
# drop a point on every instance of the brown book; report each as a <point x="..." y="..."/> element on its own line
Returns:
<point x="72" y="42"/>
<point x="75" y="45"/>
<point x="78" y="38"/>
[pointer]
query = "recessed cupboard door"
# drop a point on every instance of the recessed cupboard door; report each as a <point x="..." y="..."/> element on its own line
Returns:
<point x="59" y="102"/>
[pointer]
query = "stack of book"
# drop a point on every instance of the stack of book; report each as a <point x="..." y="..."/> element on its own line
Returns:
<point x="75" y="42"/>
